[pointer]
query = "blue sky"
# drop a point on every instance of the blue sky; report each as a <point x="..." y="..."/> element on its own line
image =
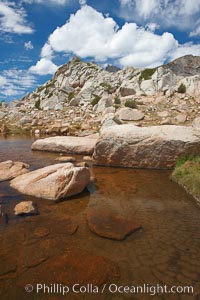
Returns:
<point x="37" y="36"/>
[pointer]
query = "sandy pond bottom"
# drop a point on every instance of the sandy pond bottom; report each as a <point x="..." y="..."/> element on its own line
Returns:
<point x="57" y="246"/>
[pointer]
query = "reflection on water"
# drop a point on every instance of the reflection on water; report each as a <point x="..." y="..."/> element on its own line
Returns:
<point x="165" y="251"/>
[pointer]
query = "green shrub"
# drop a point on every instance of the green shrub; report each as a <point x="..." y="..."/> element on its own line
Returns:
<point x="186" y="173"/>
<point x="40" y="88"/>
<point x="182" y="88"/>
<point x="71" y="96"/>
<point x="37" y="104"/>
<point x="146" y="74"/>
<point x="95" y="100"/>
<point x="183" y="159"/>
<point x="117" y="100"/>
<point x="130" y="103"/>
<point x="76" y="59"/>
<point x="107" y="87"/>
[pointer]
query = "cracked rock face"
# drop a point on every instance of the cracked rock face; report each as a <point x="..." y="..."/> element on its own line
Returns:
<point x="10" y="169"/>
<point x="145" y="147"/>
<point x="53" y="182"/>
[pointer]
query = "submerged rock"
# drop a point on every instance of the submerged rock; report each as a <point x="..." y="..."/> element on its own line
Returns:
<point x="68" y="144"/>
<point x="74" y="266"/>
<point x="53" y="182"/>
<point x="110" y="225"/>
<point x="66" y="159"/>
<point x="10" y="169"/>
<point x="25" y="208"/>
<point x="145" y="147"/>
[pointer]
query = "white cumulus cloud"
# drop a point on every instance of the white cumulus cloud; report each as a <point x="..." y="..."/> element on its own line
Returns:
<point x="2" y="81"/>
<point x="13" y="18"/>
<point x="82" y="2"/>
<point x="88" y="33"/>
<point x="185" y="49"/>
<point x="47" y="51"/>
<point x="43" y="67"/>
<point x="178" y="13"/>
<point x="16" y="82"/>
<point x="28" y="45"/>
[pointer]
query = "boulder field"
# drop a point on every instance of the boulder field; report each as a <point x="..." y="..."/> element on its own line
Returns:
<point x="145" y="147"/>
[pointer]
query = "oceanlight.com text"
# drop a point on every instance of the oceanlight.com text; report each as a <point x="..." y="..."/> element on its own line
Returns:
<point x="58" y="288"/>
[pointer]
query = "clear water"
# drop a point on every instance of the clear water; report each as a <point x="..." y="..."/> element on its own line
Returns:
<point x="165" y="251"/>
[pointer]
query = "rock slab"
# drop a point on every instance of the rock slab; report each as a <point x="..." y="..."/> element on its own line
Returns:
<point x="10" y="169"/>
<point x="67" y="144"/>
<point x="110" y="225"/>
<point x="129" y="114"/>
<point x="74" y="266"/>
<point x="145" y="147"/>
<point x="53" y="182"/>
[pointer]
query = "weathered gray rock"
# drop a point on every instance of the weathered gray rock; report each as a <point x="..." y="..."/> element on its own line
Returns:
<point x="10" y="169"/>
<point x="145" y="147"/>
<point x="126" y="91"/>
<point x="53" y="182"/>
<point x="25" y="120"/>
<point x="181" y="118"/>
<point x="75" y="102"/>
<point x="68" y="144"/>
<point x="196" y="123"/>
<point x="103" y="104"/>
<point x="58" y="106"/>
<point x="147" y="86"/>
<point x="129" y="114"/>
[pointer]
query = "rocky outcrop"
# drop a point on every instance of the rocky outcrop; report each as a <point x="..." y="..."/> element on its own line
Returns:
<point x="145" y="147"/>
<point x="53" y="182"/>
<point x="10" y="169"/>
<point x="73" y="102"/>
<point x="73" y="145"/>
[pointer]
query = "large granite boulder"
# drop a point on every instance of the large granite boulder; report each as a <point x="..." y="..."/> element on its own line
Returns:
<point x="53" y="182"/>
<point x="67" y="144"/>
<point x="145" y="147"/>
<point x="10" y="169"/>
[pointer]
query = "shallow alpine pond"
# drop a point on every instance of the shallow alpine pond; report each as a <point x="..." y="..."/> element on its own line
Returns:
<point x="55" y="255"/>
